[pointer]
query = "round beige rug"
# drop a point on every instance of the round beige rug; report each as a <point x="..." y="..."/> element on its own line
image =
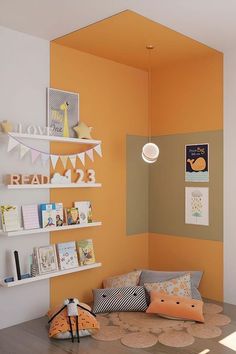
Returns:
<point x="173" y="338"/>
<point x="109" y="333"/>
<point x="217" y="319"/>
<point x="204" y="331"/>
<point x="143" y="320"/>
<point x="103" y="321"/>
<point x="139" y="340"/>
<point x="211" y="308"/>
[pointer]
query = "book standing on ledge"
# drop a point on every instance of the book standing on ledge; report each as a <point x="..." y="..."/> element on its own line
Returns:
<point x="86" y="252"/>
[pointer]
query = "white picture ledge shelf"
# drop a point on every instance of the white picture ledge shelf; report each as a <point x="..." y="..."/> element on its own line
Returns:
<point x="51" y="186"/>
<point x="49" y="275"/>
<point x="55" y="138"/>
<point x="49" y="229"/>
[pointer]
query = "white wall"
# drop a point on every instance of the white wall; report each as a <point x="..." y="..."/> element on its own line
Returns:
<point x="24" y="76"/>
<point x="230" y="177"/>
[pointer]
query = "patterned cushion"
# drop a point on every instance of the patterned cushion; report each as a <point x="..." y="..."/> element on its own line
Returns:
<point x="178" y="286"/>
<point x="60" y="329"/>
<point x="130" y="298"/>
<point x="180" y="307"/>
<point x="123" y="280"/>
<point x="153" y="276"/>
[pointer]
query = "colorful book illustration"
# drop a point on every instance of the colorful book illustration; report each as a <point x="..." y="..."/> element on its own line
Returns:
<point x="10" y="217"/>
<point x="47" y="259"/>
<point x="48" y="215"/>
<point x="59" y="214"/>
<point x="72" y="216"/>
<point x="67" y="255"/>
<point x="86" y="252"/>
<point x="30" y="216"/>
<point x="85" y="211"/>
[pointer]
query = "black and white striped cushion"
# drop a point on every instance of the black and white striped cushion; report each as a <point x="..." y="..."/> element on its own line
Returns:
<point x="130" y="298"/>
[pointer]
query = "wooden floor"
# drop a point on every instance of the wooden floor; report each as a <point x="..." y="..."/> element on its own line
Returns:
<point x="32" y="338"/>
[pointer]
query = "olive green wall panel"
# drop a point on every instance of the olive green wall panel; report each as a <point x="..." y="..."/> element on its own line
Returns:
<point x="167" y="187"/>
<point x="137" y="184"/>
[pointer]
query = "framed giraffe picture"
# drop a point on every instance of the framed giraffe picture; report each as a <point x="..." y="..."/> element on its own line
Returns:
<point x="62" y="112"/>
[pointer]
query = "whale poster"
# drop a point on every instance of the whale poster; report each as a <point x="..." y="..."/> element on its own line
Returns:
<point x="197" y="163"/>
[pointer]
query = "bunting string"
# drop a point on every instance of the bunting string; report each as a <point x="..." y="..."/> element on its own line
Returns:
<point x="45" y="156"/>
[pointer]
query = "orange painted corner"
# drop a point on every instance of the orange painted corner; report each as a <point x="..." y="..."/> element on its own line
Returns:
<point x="113" y="100"/>
<point x="168" y="252"/>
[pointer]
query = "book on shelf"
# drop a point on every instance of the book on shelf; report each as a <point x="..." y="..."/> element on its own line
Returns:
<point x="59" y="214"/>
<point x="67" y="255"/>
<point x="85" y="211"/>
<point x="30" y="216"/>
<point x="46" y="259"/>
<point x="86" y="252"/>
<point x="48" y="215"/>
<point x="10" y="218"/>
<point x="72" y="216"/>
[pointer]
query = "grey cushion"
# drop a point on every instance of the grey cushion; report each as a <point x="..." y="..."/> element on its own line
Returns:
<point x="153" y="276"/>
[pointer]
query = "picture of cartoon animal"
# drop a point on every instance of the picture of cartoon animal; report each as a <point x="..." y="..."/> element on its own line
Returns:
<point x="197" y="165"/>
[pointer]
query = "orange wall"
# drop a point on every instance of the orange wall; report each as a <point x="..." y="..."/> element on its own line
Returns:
<point x="113" y="99"/>
<point x="187" y="97"/>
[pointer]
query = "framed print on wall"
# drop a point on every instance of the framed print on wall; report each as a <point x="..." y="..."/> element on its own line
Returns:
<point x="197" y="205"/>
<point x="62" y="112"/>
<point x="197" y="163"/>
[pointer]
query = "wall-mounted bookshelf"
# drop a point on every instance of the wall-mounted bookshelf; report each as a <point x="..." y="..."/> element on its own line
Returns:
<point x="52" y="186"/>
<point x="54" y="138"/>
<point x="22" y="232"/>
<point x="48" y="276"/>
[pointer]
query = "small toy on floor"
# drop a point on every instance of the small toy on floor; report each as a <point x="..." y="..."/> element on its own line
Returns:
<point x="72" y="320"/>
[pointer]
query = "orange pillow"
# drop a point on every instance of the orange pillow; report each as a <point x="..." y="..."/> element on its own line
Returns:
<point x="176" y="306"/>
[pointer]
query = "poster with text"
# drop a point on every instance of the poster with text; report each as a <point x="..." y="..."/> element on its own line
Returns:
<point x="62" y="112"/>
<point x="197" y="206"/>
<point x="197" y="163"/>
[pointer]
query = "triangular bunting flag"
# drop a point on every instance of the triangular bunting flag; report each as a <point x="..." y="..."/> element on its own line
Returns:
<point x="44" y="158"/>
<point x="64" y="159"/>
<point x="12" y="143"/>
<point x="81" y="156"/>
<point x="98" y="149"/>
<point x="34" y="155"/>
<point x="90" y="154"/>
<point x="54" y="159"/>
<point x="73" y="160"/>
<point x="23" y="150"/>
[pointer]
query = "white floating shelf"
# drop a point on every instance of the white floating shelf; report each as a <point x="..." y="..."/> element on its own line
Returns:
<point x="48" y="229"/>
<point x="49" y="275"/>
<point x="50" y="185"/>
<point x="55" y="138"/>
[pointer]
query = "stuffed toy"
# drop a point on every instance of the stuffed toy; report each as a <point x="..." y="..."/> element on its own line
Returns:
<point x="72" y="320"/>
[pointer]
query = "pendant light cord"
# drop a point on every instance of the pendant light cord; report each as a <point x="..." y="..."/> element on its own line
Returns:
<point x="149" y="48"/>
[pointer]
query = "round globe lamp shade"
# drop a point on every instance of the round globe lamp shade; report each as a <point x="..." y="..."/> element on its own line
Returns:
<point x="150" y="152"/>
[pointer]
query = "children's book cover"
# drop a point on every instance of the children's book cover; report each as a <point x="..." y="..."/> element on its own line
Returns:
<point x="67" y="255"/>
<point x="10" y="217"/>
<point x="59" y="214"/>
<point x="72" y="216"/>
<point x="85" y="211"/>
<point x="48" y="215"/>
<point x="86" y="252"/>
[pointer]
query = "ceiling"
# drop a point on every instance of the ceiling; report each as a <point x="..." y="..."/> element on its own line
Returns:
<point x="209" y="21"/>
<point x="123" y="38"/>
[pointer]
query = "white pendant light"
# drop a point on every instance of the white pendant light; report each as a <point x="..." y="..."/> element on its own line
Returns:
<point x="150" y="151"/>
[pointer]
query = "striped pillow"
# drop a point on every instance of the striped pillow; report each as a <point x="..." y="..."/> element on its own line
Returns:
<point x="130" y="298"/>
